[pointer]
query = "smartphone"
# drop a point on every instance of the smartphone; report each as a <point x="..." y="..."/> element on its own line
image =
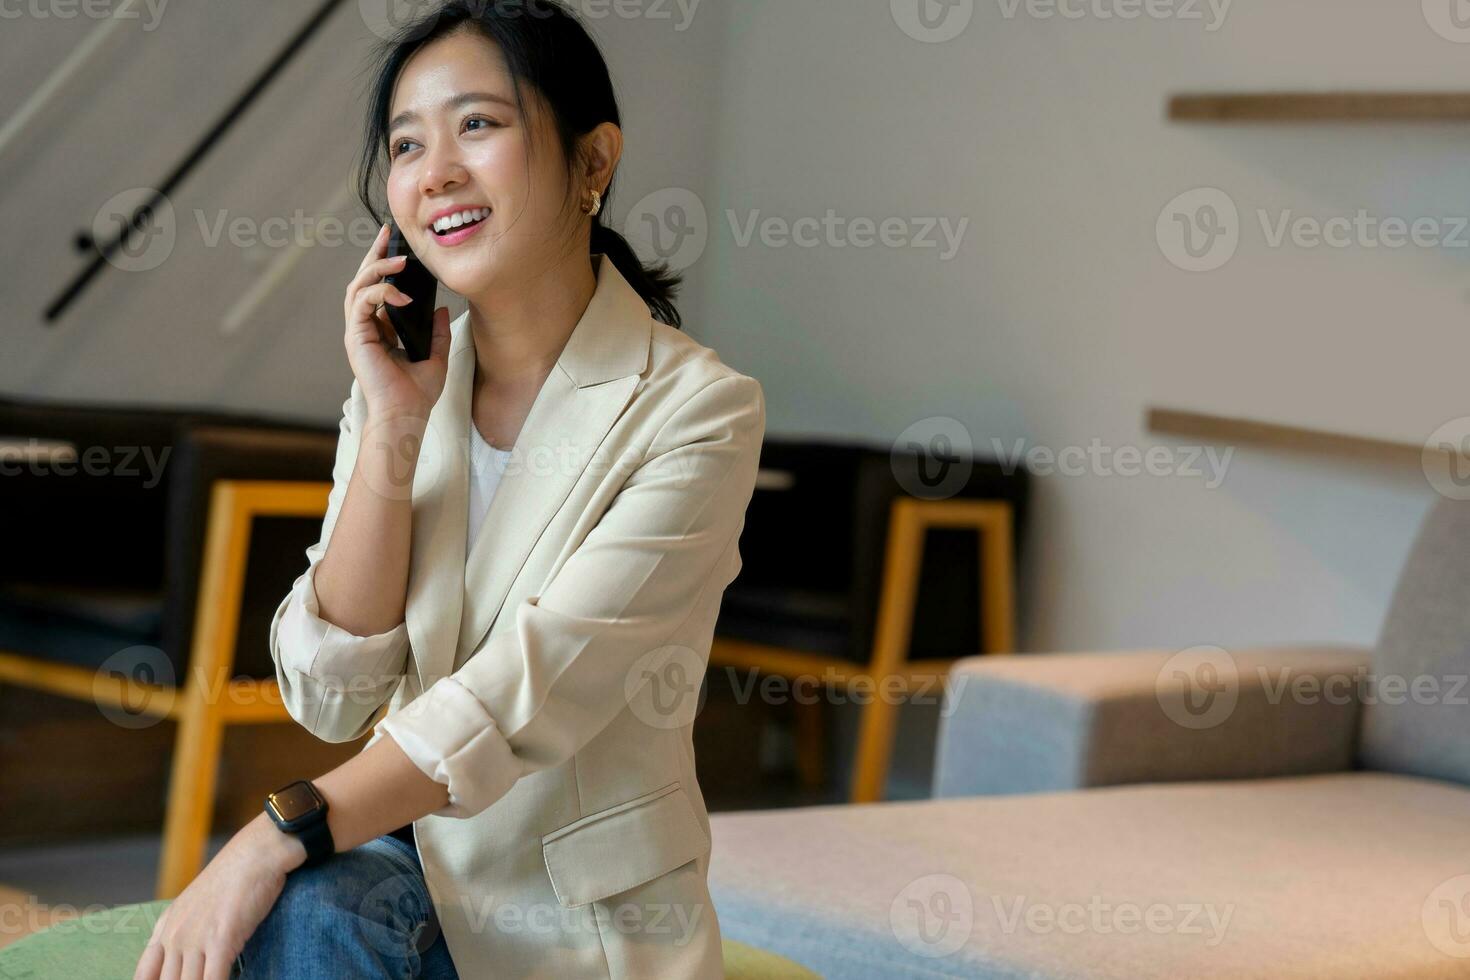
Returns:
<point x="413" y="323"/>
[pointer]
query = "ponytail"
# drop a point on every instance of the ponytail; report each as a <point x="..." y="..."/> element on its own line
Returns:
<point x="657" y="284"/>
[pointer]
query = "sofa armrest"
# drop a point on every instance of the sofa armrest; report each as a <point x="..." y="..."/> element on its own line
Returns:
<point x="1039" y="722"/>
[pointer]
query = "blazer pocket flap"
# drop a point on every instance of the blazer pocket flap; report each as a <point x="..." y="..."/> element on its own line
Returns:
<point x="622" y="846"/>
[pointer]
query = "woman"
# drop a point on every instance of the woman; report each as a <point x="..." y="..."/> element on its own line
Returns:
<point x="539" y="654"/>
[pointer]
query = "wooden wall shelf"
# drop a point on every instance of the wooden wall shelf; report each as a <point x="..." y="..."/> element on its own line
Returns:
<point x="1223" y="429"/>
<point x="1226" y="107"/>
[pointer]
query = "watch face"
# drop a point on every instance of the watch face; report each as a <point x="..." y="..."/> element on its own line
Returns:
<point x="295" y="801"/>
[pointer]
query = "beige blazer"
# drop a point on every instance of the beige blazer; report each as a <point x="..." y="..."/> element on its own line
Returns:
<point x="551" y="675"/>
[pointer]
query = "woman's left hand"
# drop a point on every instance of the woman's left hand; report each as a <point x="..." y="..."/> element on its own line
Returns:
<point x="202" y="932"/>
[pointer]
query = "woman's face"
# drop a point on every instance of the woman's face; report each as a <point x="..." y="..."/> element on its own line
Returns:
<point x="457" y="141"/>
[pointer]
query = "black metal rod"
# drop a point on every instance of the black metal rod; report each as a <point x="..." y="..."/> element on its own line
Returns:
<point x="216" y="132"/>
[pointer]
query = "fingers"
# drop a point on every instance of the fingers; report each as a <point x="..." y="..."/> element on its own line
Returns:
<point x="150" y="964"/>
<point x="364" y="309"/>
<point x="191" y="965"/>
<point x="218" y="967"/>
<point x="374" y="266"/>
<point x="371" y="273"/>
<point x="377" y="249"/>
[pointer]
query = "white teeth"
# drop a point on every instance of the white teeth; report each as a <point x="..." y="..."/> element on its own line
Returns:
<point x="459" y="218"/>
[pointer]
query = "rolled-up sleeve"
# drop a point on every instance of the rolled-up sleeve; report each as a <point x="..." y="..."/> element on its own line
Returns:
<point x="332" y="681"/>
<point x="534" y="694"/>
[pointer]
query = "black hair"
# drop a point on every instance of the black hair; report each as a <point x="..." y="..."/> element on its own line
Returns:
<point x="547" y="47"/>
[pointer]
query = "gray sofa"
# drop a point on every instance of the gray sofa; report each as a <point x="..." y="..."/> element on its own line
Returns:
<point x="1283" y="812"/>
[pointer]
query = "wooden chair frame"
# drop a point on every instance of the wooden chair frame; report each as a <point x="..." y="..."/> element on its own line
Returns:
<point x="909" y="521"/>
<point x="210" y="697"/>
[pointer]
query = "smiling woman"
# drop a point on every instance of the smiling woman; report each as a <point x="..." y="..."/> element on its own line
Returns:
<point x="532" y="781"/>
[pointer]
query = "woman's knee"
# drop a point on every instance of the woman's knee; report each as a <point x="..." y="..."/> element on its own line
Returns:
<point x="372" y="892"/>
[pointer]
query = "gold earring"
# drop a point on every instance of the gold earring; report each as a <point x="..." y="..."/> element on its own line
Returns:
<point x="596" y="205"/>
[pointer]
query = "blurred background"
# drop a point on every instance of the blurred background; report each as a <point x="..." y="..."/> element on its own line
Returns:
<point x="1175" y="289"/>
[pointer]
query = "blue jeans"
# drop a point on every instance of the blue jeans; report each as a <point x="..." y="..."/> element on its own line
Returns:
<point x="363" y="913"/>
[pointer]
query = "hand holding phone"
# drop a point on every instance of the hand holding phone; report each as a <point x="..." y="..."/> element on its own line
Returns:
<point x="379" y="313"/>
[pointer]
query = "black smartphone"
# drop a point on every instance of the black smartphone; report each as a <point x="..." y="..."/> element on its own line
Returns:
<point x="414" y="323"/>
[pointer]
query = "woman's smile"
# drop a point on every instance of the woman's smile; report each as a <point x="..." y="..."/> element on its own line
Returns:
<point x="453" y="236"/>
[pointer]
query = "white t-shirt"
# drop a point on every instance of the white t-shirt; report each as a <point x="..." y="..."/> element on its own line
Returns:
<point x="487" y="464"/>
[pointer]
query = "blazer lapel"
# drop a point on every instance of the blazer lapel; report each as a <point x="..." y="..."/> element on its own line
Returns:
<point x="441" y="513"/>
<point x="585" y="393"/>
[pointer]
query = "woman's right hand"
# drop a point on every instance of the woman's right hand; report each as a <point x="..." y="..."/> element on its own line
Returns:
<point x="392" y="385"/>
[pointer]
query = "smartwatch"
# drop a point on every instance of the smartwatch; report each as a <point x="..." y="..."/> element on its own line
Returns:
<point x="299" y="809"/>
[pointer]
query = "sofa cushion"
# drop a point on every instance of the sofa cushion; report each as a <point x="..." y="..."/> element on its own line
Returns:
<point x="1339" y="875"/>
<point x="1417" y="720"/>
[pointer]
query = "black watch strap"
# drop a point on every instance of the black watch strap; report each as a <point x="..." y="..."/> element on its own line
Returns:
<point x="317" y="838"/>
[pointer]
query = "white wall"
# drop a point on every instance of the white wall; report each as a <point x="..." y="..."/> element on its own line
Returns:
<point x="1059" y="319"/>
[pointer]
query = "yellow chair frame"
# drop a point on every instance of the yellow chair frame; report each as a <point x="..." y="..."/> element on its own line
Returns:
<point x="909" y="520"/>
<point x="210" y="697"/>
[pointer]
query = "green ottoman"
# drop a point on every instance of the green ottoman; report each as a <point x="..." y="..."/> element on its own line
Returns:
<point x="106" y="946"/>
